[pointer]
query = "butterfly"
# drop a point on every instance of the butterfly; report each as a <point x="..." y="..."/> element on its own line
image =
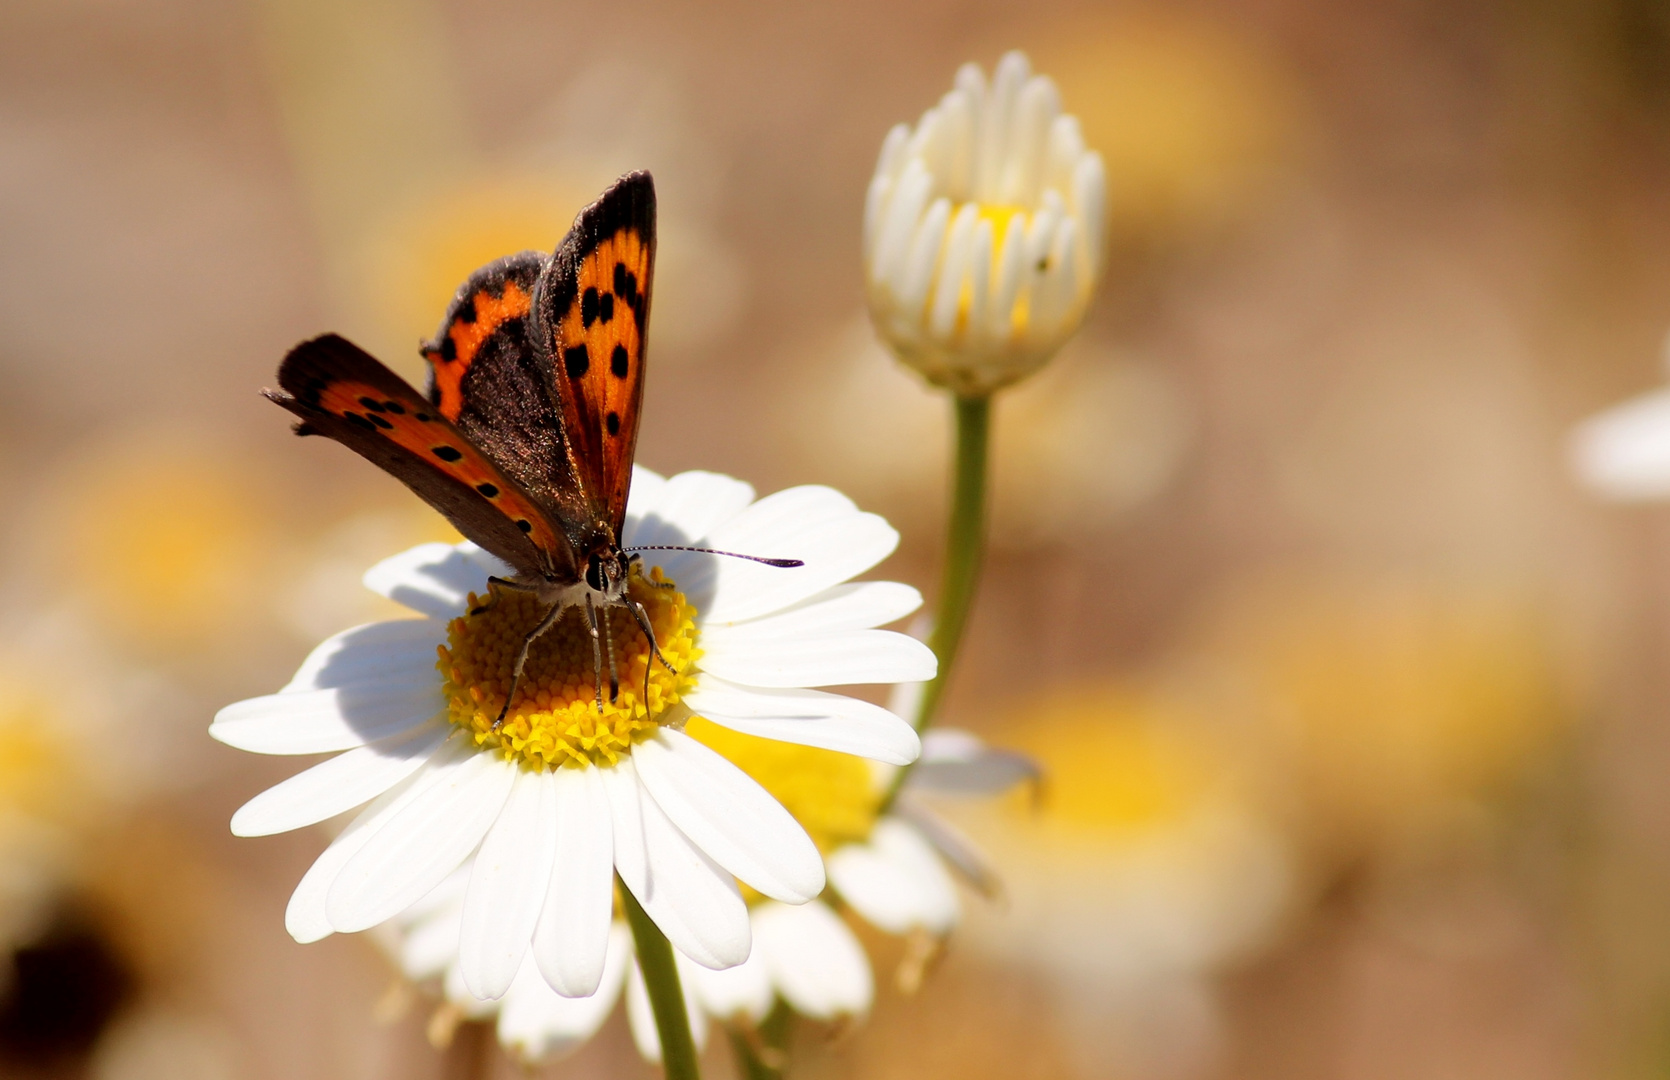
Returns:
<point x="525" y="439"/>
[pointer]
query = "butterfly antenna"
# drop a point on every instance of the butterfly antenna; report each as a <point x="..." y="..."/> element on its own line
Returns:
<point x="786" y="563"/>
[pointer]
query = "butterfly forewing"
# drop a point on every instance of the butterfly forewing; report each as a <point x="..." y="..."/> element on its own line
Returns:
<point x="343" y="392"/>
<point x="486" y="377"/>
<point x="590" y="317"/>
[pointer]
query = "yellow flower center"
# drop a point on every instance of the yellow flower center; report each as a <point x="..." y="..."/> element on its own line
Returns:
<point x="832" y="795"/>
<point x="554" y="720"/>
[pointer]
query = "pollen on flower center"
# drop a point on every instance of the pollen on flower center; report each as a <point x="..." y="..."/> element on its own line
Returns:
<point x="554" y="719"/>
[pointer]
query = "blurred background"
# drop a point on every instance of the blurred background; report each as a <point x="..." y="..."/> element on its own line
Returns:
<point x="1356" y="708"/>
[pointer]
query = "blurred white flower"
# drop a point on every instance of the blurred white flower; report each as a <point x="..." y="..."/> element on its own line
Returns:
<point x="983" y="230"/>
<point x="1623" y="453"/>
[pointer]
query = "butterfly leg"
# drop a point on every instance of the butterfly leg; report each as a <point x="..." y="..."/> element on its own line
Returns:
<point x="545" y="624"/>
<point x="609" y="644"/>
<point x="642" y="617"/>
<point x="494" y="584"/>
<point x="596" y="652"/>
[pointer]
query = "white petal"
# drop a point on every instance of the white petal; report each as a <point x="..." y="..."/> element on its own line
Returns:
<point x="1624" y="452"/>
<point x="305" y="916"/>
<point x="895" y="881"/>
<point x="641" y="1016"/>
<point x="841" y="659"/>
<point x="695" y="903"/>
<point x="956" y="849"/>
<point x="474" y="1008"/>
<point x="647" y="487"/>
<point x="685" y="510"/>
<point x="431" y="946"/>
<point x="340" y="784"/>
<point x="958" y="761"/>
<point x="817" y="525"/>
<point x="815" y="959"/>
<point x="741" y="991"/>
<point x="488" y="563"/>
<point x="375" y="652"/>
<point x="917" y="270"/>
<point x="809" y="718"/>
<point x="422" y="844"/>
<point x="953" y="271"/>
<point x="541" y="1025"/>
<point x="860" y="605"/>
<point x="729" y="816"/>
<point x="507" y="888"/>
<point x="574" y="926"/>
<point x="434" y="579"/>
<point x="322" y="721"/>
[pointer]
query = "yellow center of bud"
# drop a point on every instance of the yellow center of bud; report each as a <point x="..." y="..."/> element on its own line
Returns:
<point x="554" y="719"/>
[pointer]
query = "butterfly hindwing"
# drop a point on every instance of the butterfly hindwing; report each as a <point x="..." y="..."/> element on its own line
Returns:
<point x="589" y="321"/>
<point x="341" y="391"/>
<point x="486" y="377"/>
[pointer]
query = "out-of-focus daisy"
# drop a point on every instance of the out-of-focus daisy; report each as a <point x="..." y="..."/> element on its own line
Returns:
<point x="1148" y="865"/>
<point x="894" y="869"/>
<point x="566" y="782"/>
<point x="983" y="231"/>
<point x="1624" y="452"/>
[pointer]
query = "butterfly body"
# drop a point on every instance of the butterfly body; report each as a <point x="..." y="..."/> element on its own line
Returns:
<point x="526" y="436"/>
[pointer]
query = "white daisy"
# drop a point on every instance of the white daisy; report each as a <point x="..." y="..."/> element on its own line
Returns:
<point x="983" y="230"/>
<point x="564" y="797"/>
<point x="892" y="871"/>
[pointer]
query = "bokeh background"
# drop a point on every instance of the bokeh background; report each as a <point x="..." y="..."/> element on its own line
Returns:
<point x="1356" y="708"/>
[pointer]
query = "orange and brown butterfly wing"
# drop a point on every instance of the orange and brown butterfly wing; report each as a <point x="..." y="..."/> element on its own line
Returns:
<point x="342" y="392"/>
<point x="486" y="377"/>
<point x="590" y="316"/>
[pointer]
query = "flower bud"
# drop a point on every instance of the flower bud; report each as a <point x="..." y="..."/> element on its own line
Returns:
<point x="983" y="231"/>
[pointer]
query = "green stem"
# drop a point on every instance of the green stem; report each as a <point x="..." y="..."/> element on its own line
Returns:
<point x="965" y="548"/>
<point x="666" y="999"/>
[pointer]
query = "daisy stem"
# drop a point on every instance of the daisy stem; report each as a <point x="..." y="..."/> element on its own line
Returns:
<point x="965" y="549"/>
<point x="666" y="998"/>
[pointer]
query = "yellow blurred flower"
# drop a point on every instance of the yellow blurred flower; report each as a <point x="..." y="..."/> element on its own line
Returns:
<point x="1392" y="697"/>
<point x="1191" y="118"/>
<point x="157" y="535"/>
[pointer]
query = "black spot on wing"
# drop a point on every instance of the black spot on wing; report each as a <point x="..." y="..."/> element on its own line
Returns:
<point x="466" y="311"/>
<point x="524" y="525"/>
<point x="489" y="490"/>
<point x="449" y="347"/>
<point x="618" y="362"/>
<point x="612" y="421"/>
<point x="379" y="421"/>
<point x="359" y="421"/>
<point x="588" y="308"/>
<point x="372" y="403"/>
<point x="576" y="360"/>
<point x="447" y="453"/>
<point x="606" y="307"/>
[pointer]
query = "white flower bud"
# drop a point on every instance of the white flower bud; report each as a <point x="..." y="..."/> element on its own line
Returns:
<point x="983" y="231"/>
